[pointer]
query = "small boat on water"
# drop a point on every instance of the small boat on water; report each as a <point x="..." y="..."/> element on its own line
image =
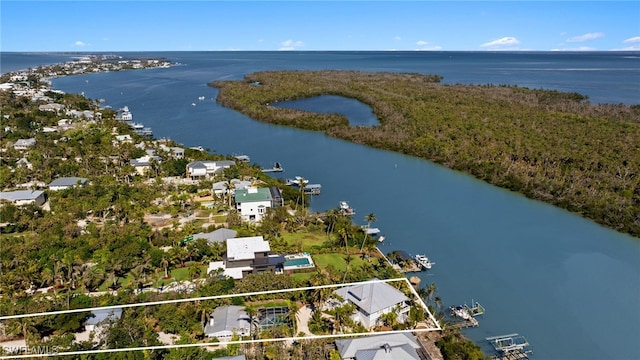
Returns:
<point x="200" y="97"/>
<point x="461" y="312"/>
<point x="346" y="209"/>
<point x="423" y="262"/>
<point x="297" y="181"/>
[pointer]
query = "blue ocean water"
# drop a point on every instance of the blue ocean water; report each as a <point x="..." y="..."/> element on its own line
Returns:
<point x="569" y="285"/>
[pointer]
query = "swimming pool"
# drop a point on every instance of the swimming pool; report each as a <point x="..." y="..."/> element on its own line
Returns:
<point x="298" y="261"/>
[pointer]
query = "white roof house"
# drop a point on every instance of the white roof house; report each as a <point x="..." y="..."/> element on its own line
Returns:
<point x="373" y="299"/>
<point x="246" y="247"/>
<point x="394" y="346"/>
<point x="24" y="197"/>
<point x="225" y="321"/>
<point x="247" y="255"/>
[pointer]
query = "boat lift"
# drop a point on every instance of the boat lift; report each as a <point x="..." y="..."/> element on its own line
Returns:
<point x="510" y="345"/>
<point x="475" y="309"/>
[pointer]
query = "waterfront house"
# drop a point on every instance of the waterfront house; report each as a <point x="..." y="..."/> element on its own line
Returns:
<point x="202" y="169"/>
<point x="24" y="197"/>
<point x="174" y="151"/>
<point x="374" y="299"/>
<point x="394" y="346"/>
<point x="252" y="203"/>
<point x="225" y="321"/>
<point x="64" y="183"/>
<point x="248" y="255"/>
<point x="24" y="144"/>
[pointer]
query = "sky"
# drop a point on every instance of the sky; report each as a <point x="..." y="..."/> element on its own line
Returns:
<point x="156" y="25"/>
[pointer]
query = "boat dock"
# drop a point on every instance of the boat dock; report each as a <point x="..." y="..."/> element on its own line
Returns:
<point x="312" y="189"/>
<point x="466" y="314"/>
<point x="276" y="168"/>
<point x="511" y="346"/>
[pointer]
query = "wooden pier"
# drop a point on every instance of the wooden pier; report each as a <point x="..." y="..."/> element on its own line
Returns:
<point x="465" y="323"/>
<point x="276" y="168"/>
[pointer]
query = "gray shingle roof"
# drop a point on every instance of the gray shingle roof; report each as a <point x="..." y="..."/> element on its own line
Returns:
<point x="373" y="347"/>
<point x="373" y="296"/>
<point x="68" y="181"/>
<point x="228" y="319"/>
<point x="216" y="235"/>
<point x="20" y="195"/>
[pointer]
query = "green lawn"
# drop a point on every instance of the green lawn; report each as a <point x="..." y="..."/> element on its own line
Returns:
<point x="309" y="241"/>
<point x="336" y="260"/>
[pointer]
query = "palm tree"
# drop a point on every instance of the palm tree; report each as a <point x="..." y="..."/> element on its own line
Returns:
<point x="194" y="271"/>
<point x="291" y="316"/>
<point x="371" y="217"/>
<point x="230" y="186"/>
<point x="332" y="217"/>
<point x="165" y="264"/>
<point x="252" y="312"/>
<point x="302" y="182"/>
<point x="136" y="274"/>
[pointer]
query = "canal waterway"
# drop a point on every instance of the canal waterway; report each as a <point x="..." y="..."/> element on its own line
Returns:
<point x="570" y="286"/>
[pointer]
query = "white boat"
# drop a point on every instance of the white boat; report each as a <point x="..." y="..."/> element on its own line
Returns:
<point x="346" y="209"/>
<point x="137" y="126"/>
<point x="297" y="181"/>
<point x="200" y="97"/>
<point x="423" y="261"/>
<point x="460" y="312"/>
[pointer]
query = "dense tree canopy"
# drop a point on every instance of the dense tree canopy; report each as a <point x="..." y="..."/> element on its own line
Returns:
<point x="547" y="145"/>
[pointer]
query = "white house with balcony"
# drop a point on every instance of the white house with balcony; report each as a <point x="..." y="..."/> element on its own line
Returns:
<point x="252" y="203"/>
<point x="206" y="168"/>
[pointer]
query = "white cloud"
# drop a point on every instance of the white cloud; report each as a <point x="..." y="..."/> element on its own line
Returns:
<point x="586" y="37"/>
<point x="635" y="39"/>
<point x="80" y="43"/>
<point x="507" y="42"/>
<point x="579" y="48"/>
<point x="397" y="38"/>
<point x="425" y="45"/>
<point x="291" y="45"/>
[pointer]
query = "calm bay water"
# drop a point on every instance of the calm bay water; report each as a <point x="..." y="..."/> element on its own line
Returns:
<point x="569" y="285"/>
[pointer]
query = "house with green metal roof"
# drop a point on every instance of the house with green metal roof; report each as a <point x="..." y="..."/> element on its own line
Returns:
<point x="252" y="203"/>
